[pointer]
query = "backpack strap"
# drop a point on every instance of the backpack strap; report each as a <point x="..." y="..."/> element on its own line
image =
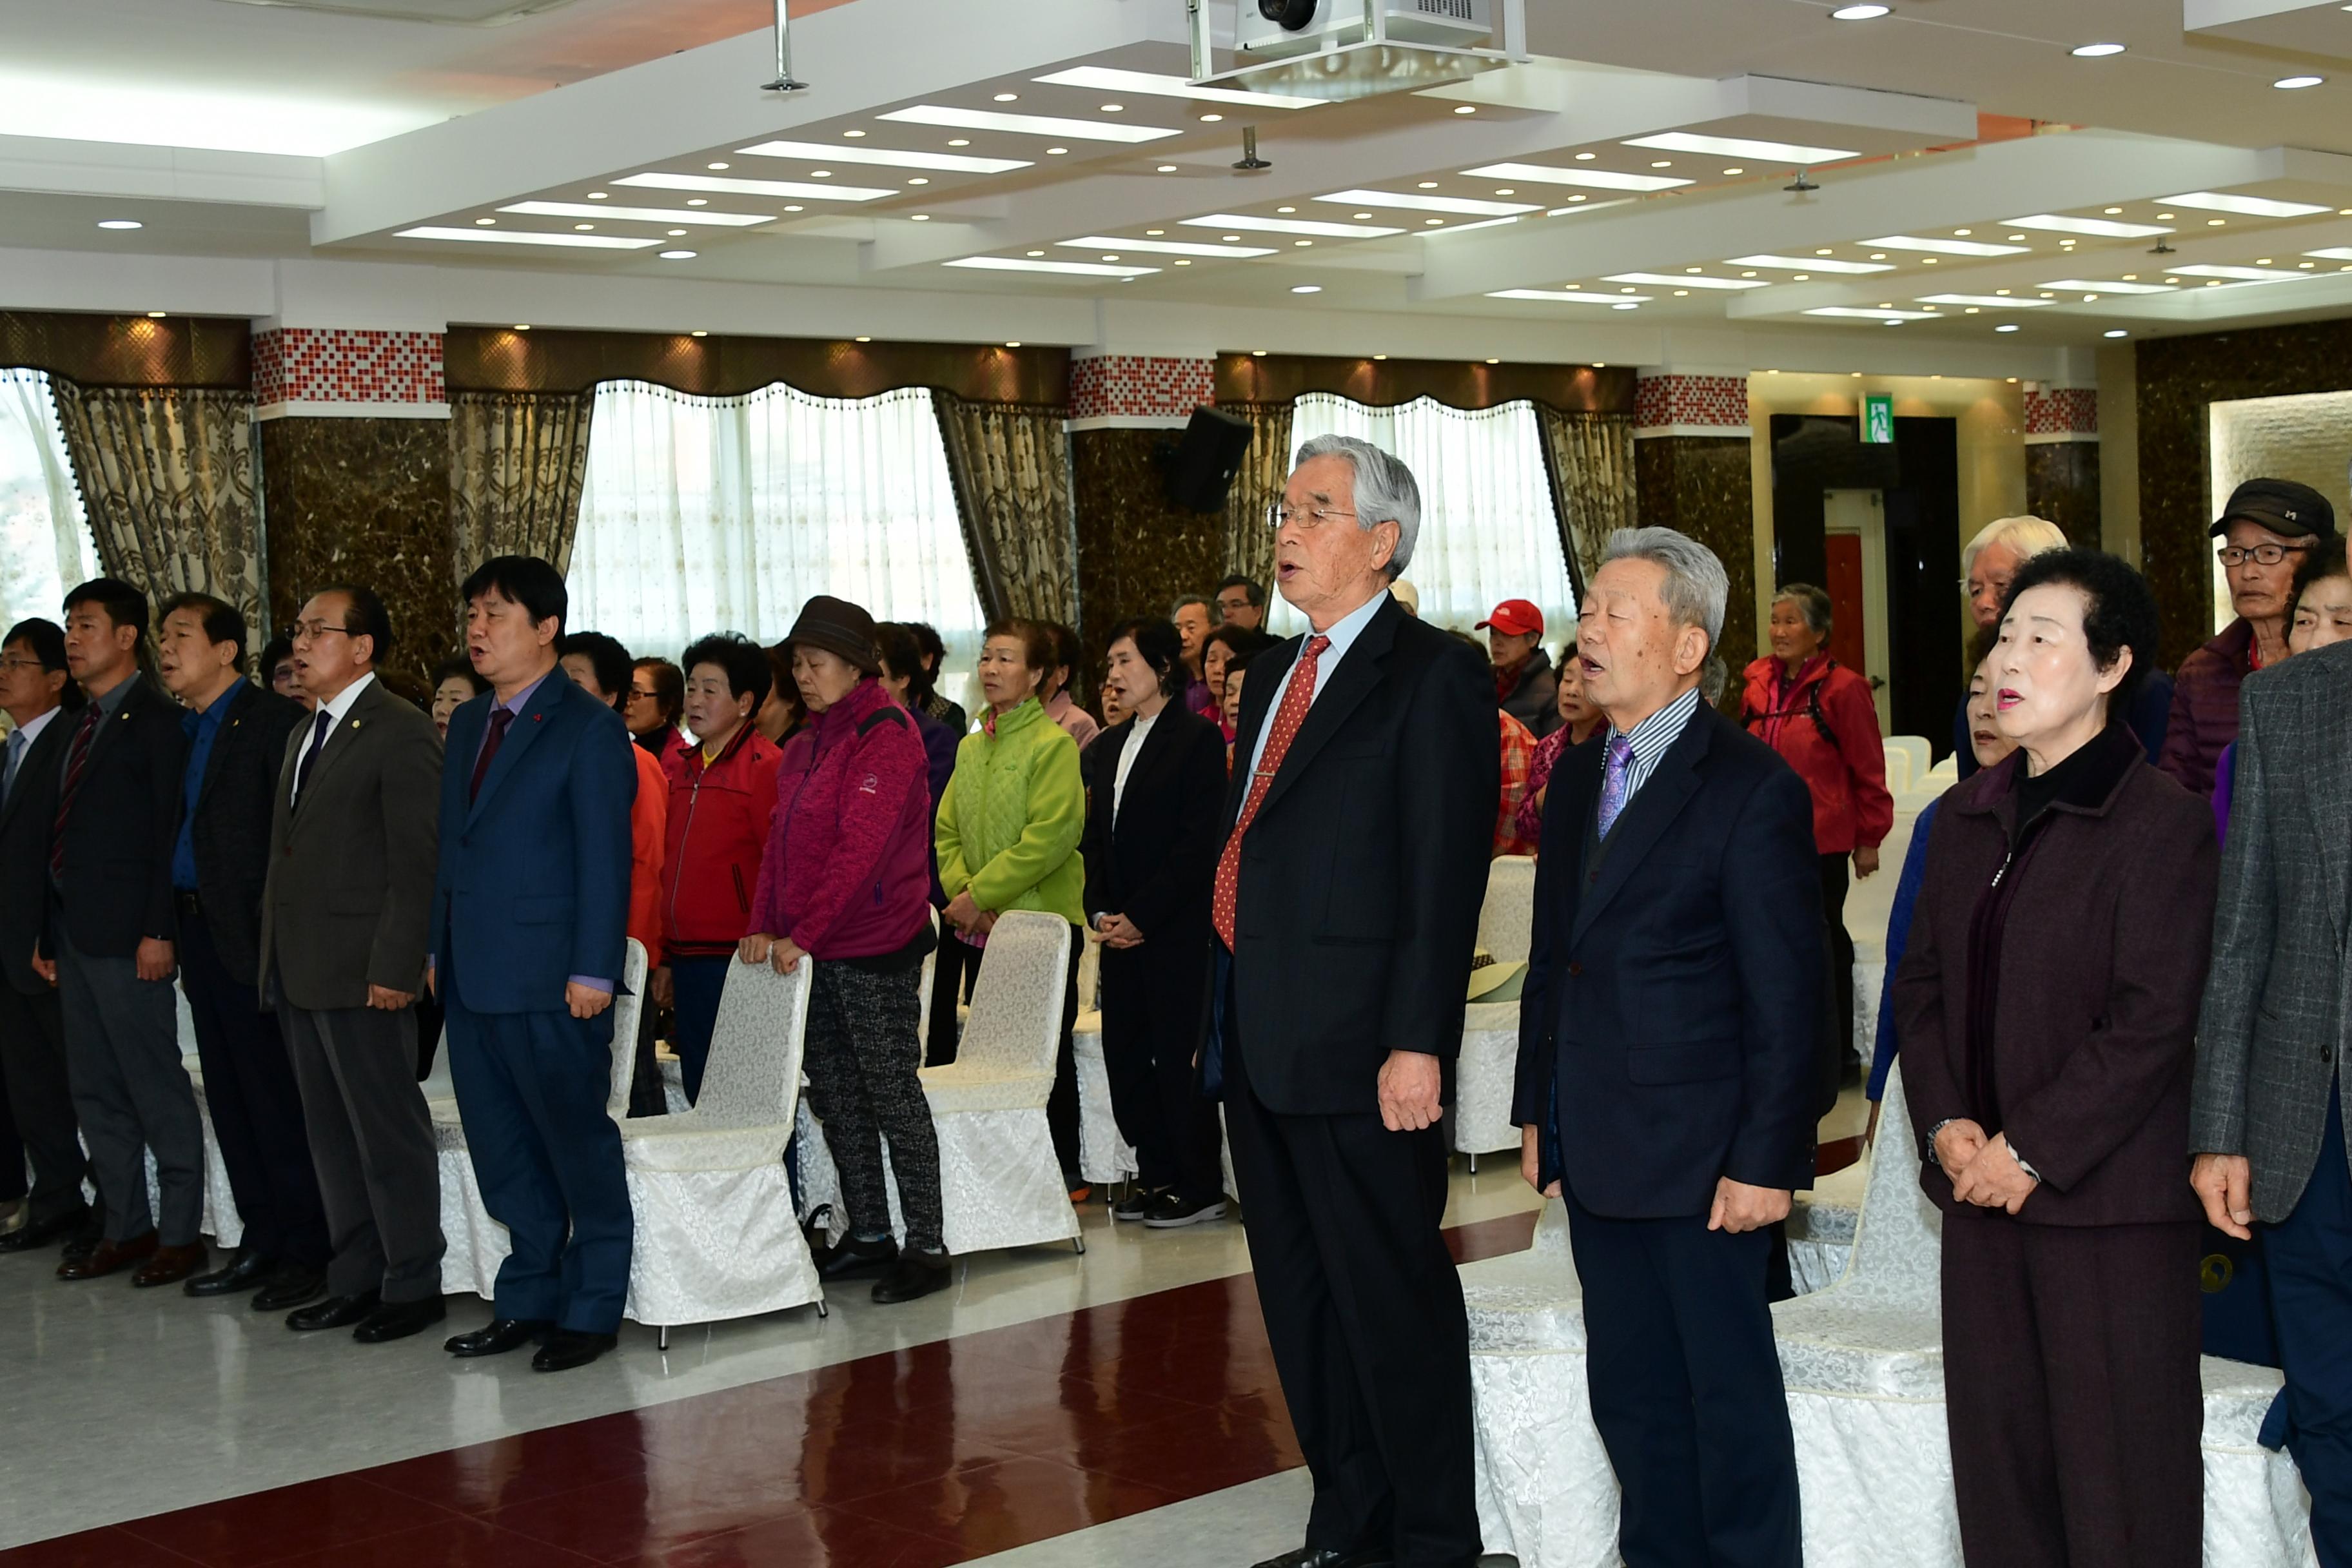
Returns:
<point x="890" y="713"/>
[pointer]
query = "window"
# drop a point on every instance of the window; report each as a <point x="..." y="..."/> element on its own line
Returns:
<point x="1488" y="532"/>
<point x="45" y="545"/>
<point x="706" y="514"/>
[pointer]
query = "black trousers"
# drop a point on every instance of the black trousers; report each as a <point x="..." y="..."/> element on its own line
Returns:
<point x="1148" y="1046"/>
<point x="1686" y="1388"/>
<point x="954" y="967"/>
<point x="2071" y="1374"/>
<point x="1363" y="1310"/>
<point x="255" y="1104"/>
<point x="1834" y="881"/>
<point x="40" y="1106"/>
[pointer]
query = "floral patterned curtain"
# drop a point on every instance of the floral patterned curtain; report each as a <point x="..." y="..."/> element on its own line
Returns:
<point x="1265" y="468"/>
<point x="1010" y="466"/>
<point x="518" y="461"/>
<point x="167" y="480"/>
<point x="1589" y="458"/>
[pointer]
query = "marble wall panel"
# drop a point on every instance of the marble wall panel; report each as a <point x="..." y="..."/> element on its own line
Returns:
<point x="1701" y="484"/>
<point x="1137" y="552"/>
<point x="2062" y="484"/>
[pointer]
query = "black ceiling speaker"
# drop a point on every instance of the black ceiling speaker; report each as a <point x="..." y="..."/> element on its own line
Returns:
<point x="1201" y="466"/>
<point x="1293" y="14"/>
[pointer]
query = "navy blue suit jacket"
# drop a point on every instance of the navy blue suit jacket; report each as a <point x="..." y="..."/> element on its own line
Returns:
<point x="533" y="886"/>
<point x="1669" y="1022"/>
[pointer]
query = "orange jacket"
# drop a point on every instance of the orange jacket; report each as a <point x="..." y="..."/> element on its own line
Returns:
<point x="648" y="831"/>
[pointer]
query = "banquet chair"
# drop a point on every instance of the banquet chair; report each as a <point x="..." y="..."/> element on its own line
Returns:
<point x="221" y="1221"/>
<point x="1104" y="1154"/>
<point x="1486" y="1073"/>
<point x="1918" y="754"/>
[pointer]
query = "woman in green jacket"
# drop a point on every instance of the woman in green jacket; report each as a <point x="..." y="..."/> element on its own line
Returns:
<point x="1008" y="833"/>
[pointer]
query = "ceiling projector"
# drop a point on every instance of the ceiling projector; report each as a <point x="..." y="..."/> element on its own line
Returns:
<point x="1273" y="30"/>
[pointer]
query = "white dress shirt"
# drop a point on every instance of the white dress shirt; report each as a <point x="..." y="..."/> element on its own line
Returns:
<point x="20" y="742"/>
<point x="1343" y="635"/>
<point x="1127" y="755"/>
<point x="335" y="708"/>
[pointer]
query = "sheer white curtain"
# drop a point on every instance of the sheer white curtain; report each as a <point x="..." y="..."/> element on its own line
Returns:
<point x="1488" y="530"/>
<point x="705" y="514"/>
<point x="45" y="544"/>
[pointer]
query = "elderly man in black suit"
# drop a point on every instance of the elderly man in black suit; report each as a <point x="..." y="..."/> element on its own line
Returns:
<point x="1346" y="909"/>
<point x="236" y="739"/>
<point x="44" y="706"/>
<point x="1667" y="1080"/>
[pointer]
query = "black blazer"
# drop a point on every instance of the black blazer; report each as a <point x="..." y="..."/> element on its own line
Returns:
<point x="1360" y="880"/>
<point x="231" y="821"/>
<point x="1156" y="862"/>
<point x="1671" y="1013"/>
<point x="25" y="821"/>
<point x="118" y="842"/>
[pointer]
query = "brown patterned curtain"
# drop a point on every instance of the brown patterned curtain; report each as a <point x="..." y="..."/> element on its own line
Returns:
<point x="1265" y="468"/>
<point x="1589" y="458"/>
<point x="517" y="463"/>
<point x="1010" y="466"/>
<point x="167" y="483"/>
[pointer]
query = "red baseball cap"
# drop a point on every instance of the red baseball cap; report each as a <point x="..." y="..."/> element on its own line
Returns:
<point x="1515" y="618"/>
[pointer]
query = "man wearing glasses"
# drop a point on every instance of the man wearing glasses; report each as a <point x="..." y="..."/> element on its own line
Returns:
<point x="2267" y="529"/>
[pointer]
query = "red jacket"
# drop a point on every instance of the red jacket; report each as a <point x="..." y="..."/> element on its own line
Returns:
<point x="1825" y="726"/>
<point x="2205" y="706"/>
<point x="718" y="828"/>
<point x="847" y="872"/>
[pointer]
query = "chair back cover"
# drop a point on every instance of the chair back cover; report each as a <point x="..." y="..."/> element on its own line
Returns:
<point x="1899" y="1240"/>
<point x="1506" y="920"/>
<point x="1015" y="1026"/>
<point x="629" y="1013"/>
<point x="753" y="1077"/>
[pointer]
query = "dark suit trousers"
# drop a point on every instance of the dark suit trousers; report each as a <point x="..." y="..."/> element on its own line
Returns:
<point x="1147" y="1056"/>
<point x="32" y="1061"/>
<point x="696" y="983"/>
<point x="531" y="1089"/>
<point x="1363" y="1310"/>
<point x="257" y="1109"/>
<point x="1686" y="1387"/>
<point x="132" y="1096"/>
<point x="371" y="1143"/>
<point x="2071" y="1379"/>
<point x="2309" y="1255"/>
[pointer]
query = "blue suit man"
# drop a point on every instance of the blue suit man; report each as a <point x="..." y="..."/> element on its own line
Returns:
<point x="530" y="914"/>
<point x="1667" y="1080"/>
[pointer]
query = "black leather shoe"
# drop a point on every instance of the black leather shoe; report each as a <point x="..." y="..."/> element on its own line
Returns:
<point x="914" y="1275"/>
<point x="854" y="1257"/>
<point x="291" y="1285"/>
<point x="398" y="1319"/>
<point x="335" y="1312"/>
<point x="498" y="1336"/>
<point x="567" y="1348"/>
<point x="80" y="1246"/>
<point x="249" y="1273"/>
<point x="34" y="1234"/>
<point x="1324" y="1557"/>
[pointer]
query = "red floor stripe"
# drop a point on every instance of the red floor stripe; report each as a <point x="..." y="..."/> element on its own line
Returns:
<point x="918" y="1458"/>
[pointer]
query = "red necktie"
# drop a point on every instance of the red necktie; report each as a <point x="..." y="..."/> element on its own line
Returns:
<point x="1296" y="698"/>
<point x="499" y="718"/>
<point x="76" y="759"/>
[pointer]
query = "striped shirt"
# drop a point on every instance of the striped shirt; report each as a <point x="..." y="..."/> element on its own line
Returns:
<point x="1653" y="736"/>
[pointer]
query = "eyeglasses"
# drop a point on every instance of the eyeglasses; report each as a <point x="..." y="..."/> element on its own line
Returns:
<point x="1279" y="516"/>
<point x="639" y="694"/>
<point x="2260" y="554"/>
<point x="1972" y="587"/>
<point x="22" y="664"/>
<point x="311" y="631"/>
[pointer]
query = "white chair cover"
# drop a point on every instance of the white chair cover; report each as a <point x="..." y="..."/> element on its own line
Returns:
<point x="221" y="1221"/>
<point x="1486" y="1075"/>
<point x="1917" y="754"/>
<point x="1104" y="1155"/>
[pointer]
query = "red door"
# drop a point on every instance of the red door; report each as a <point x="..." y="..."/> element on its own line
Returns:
<point x="1846" y="627"/>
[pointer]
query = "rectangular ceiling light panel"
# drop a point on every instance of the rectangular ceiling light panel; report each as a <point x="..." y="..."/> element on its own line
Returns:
<point x="1985" y="302"/>
<point x="2245" y="206"/>
<point x="1109" y="81"/>
<point x="1291" y="225"/>
<point x="798" y="190"/>
<point x="1591" y="179"/>
<point x="1742" y="147"/>
<point x="1810" y="264"/>
<point x="1944" y="247"/>
<point x="1867" y="314"/>
<point x="2239" y="274"/>
<point x="1072" y="269"/>
<point x="2092" y="286"/>
<point x="1164" y="247"/>
<point x="1688" y="280"/>
<point x="887" y="157"/>
<point x="523" y="236"/>
<point x="1027" y="124"/>
<point x="1570" y="297"/>
<point x="1415" y="201"/>
<point x="638" y="215"/>
<point x="2104" y="227"/>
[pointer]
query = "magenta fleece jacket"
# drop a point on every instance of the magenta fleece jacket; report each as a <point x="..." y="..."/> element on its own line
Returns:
<point x="847" y="871"/>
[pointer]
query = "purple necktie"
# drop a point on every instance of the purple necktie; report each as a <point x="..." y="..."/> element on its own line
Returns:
<point x="1613" y="782"/>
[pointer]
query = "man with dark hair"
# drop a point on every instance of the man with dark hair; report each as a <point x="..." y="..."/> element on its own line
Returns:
<point x="111" y="939"/>
<point x="351" y="838"/>
<point x="530" y="911"/>
<point x="1241" y="602"/>
<point x="237" y="734"/>
<point x="43" y="703"/>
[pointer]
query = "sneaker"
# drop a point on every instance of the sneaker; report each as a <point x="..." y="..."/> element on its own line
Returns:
<point x="1171" y="1209"/>
<point x="914" y="1275"/>
<point x="1135" y="1205"/>
<point x="854" y="1257"/>
<point x="1081" y="1189"/>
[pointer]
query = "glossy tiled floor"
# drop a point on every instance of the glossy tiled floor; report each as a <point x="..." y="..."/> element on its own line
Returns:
<point x="1048" y="1399"/>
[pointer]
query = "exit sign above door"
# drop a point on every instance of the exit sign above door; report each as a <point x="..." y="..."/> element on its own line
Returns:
<point x="1877" y="420"/>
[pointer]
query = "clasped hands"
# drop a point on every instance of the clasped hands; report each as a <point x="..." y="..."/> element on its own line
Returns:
<point x="1118" y="930"/>
<point x="968" y="916"/>
<point x="781" y="952"/>
<point x="1984" y="1172"/>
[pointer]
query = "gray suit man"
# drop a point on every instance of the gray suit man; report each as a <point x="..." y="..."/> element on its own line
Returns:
<point x="2267" y="1121"/>
<point x="351" y="856"/>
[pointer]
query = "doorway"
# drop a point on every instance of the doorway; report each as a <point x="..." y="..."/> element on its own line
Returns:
<point x="1854" y="525"/>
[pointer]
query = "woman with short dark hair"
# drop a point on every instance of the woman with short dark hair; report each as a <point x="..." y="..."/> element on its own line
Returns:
<point x="1155" y="787"/>
<point x="2048" y="1009"/>
<point x="1055" y="692"/>
<point x="654" y="702"/>
<point x="933" y="670"/>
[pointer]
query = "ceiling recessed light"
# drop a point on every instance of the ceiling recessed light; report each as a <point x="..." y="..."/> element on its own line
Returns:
<point x="1594" y="179"/>
<point x="677" y="256"/>
<point x="481" y="222"/>
<point x="582" y="227"/>
<point x="121" y="223"/>
<point x="1210" y="119"/>
<point x="959" y="141"/>
<point x="919" y="179"/>
<point x="1426" y="185"/>
<point x="1802" y="263"/>
<point x="1625" y="305"/>
<point x="1803" y="278"/>
<point x="732" y="186"/>
<point x="2006" y="327"/>
<point x="598" y="195"/>
<point x="1055" y="152"/>
<point x="716" y="168"/>
<point x="1942" y="247"/>
<point x="1306" y="287"/>
<point x="1662" y="163"/>
<point x="1409" y="202"/>
<point x="1257" y="353"/>
<point x="2059" y="224"/>
<point x="1181" y="261"/>
<point x="1361" y="217"/>
<point x="1507" y="191"/>
<point x="853" y="135"/>
<point x="634" y="215"/>
<point x="674" y="233"/>
<point x="1465" y="109"/>
<point x="1013" y="343"/>
<point x="865" y="339"/>
<point x="1664" y="280"/>
<point x="522" y="326"/>
<point x="519" y="237"/>
<point x="1008" y="97"/>
<point x="1167" y="168"/>
<point x="796" y="208"/>
<point x="1735" y="170"/>
<point x="2245" y="206"/>
<point x="698" y="201"/>
<point x="1026" y="124"/>
<point x="155" y="315"/>
<point x="1318" y="228"/>
<point x="1565" y="296"/>
<point x="1741" y="147"/>
<point x="1859" y="12"/>
<point x="2115" y="333"/>
<point x="1071" y="269"/>
<point x="2111" y="211"/>
<point x="1113" y="109"/>
<point x="2291" y="83"/>
<point x="888" y="157"/>
<point x="2094" y="51"/>
<point x="1303" y="242"/>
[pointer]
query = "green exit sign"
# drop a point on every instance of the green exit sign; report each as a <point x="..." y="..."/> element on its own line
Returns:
<point x="1877" y="420"/>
